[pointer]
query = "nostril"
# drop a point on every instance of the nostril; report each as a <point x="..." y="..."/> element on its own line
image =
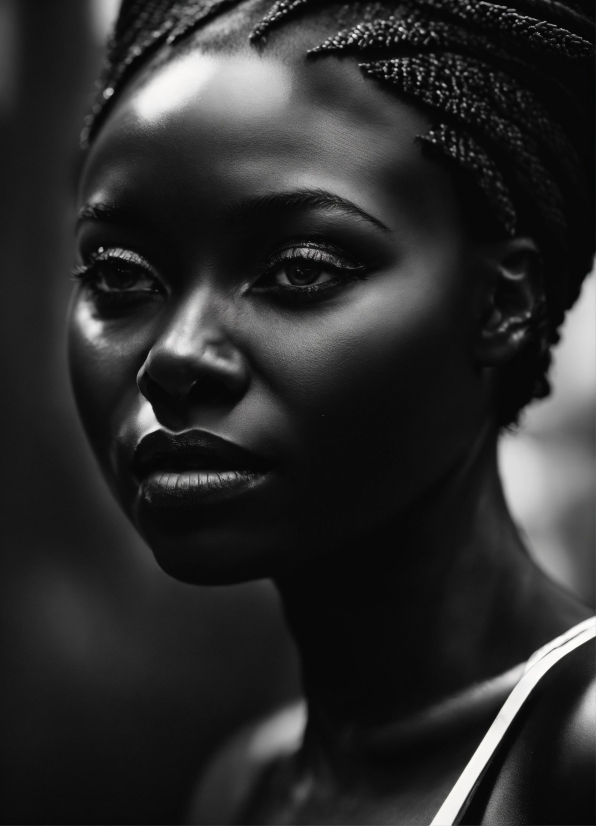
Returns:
<point x="209" y="390"/>
<point x="154" y="392"/>
<point x="204" y="390"/>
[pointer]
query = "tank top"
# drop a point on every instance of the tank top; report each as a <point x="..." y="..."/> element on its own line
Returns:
<point x="537" y="666"/>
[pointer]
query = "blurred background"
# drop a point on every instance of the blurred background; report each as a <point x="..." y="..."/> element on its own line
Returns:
<point x="116" y="683"/>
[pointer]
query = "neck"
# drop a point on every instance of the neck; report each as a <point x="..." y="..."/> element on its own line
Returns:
<point x="446" y="598"/>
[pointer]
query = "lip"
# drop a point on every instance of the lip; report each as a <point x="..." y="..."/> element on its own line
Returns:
<point x="183" y="471"/>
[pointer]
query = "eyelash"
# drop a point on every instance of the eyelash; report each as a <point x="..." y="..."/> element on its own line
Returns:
<point x="326" y="256"/>
<point x="89" y="275"/>
<point x="329" y="258"/>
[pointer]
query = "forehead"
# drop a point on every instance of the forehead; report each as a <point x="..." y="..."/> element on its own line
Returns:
<point x="260" y="120"/>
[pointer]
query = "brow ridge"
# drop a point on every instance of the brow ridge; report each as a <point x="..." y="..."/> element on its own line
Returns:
<point x="303" y="199"/>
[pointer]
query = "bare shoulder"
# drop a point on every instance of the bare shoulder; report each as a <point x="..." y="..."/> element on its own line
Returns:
<point x="561" y="722"/>
<point x="546" y="771"/>
<point x="226" y="788"/>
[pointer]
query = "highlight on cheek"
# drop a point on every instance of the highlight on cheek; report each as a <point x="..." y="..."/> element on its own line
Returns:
<point x="88" y="325"/>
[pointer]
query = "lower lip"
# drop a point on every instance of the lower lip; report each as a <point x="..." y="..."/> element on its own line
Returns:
<point x="187" y="489"/>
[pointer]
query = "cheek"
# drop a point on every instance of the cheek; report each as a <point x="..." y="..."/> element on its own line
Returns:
<point x="379" y="383"/>
<point x="104" y="361"/>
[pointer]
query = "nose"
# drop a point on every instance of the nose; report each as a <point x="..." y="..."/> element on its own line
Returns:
<point x="193" y="362"/>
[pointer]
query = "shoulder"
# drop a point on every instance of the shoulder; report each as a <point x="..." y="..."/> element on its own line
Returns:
<point x="560" y="729"/>
<point x="229" y="783"/>
<point x="545" y="771"/>
<point x="567" y="699"/>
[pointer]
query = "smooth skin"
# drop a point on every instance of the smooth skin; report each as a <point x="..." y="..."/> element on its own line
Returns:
<point x="370" y="399"/>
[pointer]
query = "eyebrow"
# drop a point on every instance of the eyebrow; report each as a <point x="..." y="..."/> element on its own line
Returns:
<point x="303" y="199"/>
<point x="250" y="207"/>
<point x="106" y="213"/>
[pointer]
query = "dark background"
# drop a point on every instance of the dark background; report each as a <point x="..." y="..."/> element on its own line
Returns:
<point x="115" y="681"/>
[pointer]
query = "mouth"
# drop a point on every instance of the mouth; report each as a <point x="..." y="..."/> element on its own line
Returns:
<point x="188" y="470"/>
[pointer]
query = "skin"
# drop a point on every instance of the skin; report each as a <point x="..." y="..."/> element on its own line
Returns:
<point x="382" y="518"/>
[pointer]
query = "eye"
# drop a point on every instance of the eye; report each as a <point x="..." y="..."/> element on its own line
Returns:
<point x="119" y="276"/>
<point x="300" y="272"/>
<point x="306" y="269"/>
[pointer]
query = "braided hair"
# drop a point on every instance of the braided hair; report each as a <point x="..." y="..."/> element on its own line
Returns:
<point x="509" y="88"/>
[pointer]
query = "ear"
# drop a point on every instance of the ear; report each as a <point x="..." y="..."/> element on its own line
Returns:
<point x="512" y="300"/>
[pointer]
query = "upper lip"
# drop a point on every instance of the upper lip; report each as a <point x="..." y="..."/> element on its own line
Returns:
<point x="191" y="450"/>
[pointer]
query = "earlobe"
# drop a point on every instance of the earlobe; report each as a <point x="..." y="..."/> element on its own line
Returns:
<point x="513" y="300"/>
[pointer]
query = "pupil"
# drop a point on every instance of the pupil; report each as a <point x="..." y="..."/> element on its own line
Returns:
<point x="301" y="274"/>
<point x="118" y="278"/>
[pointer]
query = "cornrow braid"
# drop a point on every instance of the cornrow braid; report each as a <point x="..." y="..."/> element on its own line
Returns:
<point x="568" y="15"/>
<point x="418" y="31"/>
<point x="540" y="35"/>
<point x="508" y="84"/>
<point x="458" y="87"/>
<point x="415" y="28"/>
<point x="278" y="12"/>
<point x="465" y="152"/>
<point x="515" y="37"/>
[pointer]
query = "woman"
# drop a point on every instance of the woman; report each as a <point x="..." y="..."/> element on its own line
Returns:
<point x="318" y="273"/>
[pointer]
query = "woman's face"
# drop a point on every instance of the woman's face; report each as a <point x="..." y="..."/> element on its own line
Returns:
<point x="268" y="259"/>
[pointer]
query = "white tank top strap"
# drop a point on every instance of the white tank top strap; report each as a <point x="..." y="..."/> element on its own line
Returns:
<point x="537" y="666"/>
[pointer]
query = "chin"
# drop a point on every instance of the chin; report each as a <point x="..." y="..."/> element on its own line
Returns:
<point x="208" y="556"/>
